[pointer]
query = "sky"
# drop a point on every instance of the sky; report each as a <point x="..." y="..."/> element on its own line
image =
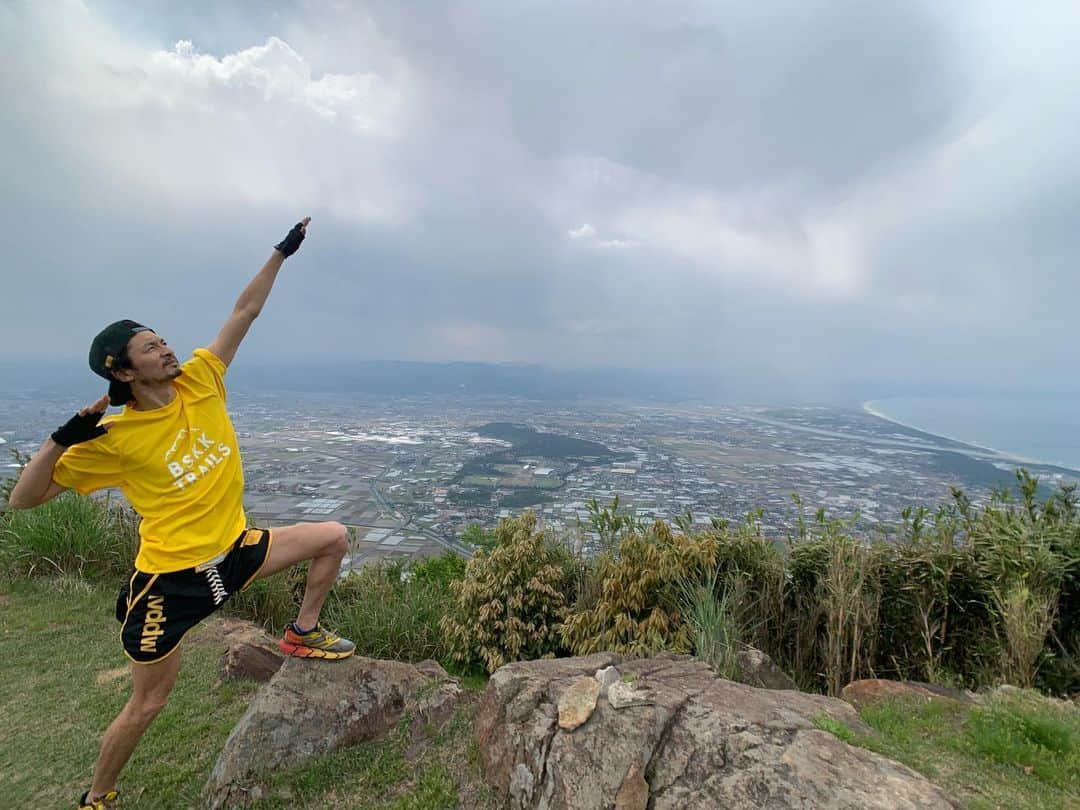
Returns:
<point x="873" y="198"/>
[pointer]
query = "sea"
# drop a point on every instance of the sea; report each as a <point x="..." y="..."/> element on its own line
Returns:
<point x="1031" y="428"/>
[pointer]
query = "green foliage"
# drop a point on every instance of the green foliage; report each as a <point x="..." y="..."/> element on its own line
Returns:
<point x="971" y="595"/>
<point x="834" y="727"/>
<point x="476" y="537"/>
<point x="714" y="615"/>
<point x="965" y="594"/>
<point x="70" y="535"/>
<point x="638" y="609"/>
<point x="511" y="603"/>
<point x="437" y="572"/>
<point x="610" y="522"/>
<point x="272" y="601"/>
<point x="393" y="610"/>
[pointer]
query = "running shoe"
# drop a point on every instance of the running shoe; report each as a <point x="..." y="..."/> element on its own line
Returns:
<point x="106" y="802"/>
<point x="318" y="643"/>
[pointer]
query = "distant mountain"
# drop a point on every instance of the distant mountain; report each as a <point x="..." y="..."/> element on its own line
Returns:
<point x="530" y="381"/>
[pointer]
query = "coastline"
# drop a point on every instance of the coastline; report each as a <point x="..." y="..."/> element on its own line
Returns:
<point x="868" y="407"/>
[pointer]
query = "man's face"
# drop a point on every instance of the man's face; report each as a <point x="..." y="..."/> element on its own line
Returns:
<point x="151" y="360"/>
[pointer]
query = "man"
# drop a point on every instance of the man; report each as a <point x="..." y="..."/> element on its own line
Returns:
<point x="173" y="452"/>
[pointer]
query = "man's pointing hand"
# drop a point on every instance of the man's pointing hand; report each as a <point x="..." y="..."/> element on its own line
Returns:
<point x="291" y="243"/>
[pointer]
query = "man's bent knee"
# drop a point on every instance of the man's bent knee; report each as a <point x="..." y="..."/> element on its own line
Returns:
<point x="339" y="542"/>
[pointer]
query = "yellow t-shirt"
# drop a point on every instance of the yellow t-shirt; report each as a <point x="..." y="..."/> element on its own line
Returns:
<point x="178" y="466"/>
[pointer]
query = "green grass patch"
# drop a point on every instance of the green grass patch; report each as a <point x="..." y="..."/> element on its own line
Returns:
<point x="63" y="677"/>
<point x="834" y="727"/>
<point x="68" y="536"/>
<point x="1018" y="749"/>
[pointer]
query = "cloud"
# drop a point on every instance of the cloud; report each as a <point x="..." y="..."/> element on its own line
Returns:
<point x="832" y="191"/>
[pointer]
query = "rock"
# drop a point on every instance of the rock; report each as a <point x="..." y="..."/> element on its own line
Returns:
<point x="249" y="651"/>
<point x="606" y="677"/>
<point x="634" y="791"/>
<point x="700" y="742"/>
<point x="623" y="695"/>
<point x="872" y="690"/>
<point x="517" y="718"/>
<point x="432" y="669"/>
<point x="224" y="630"/>
<point x="309" y="707"/>
<point x="757" y="669"/>
<point x="245" y="660"/>
<point x="577" y="702"/>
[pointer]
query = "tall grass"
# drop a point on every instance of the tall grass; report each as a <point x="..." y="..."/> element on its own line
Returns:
<point x="714" y="612"/>
<point x="393" y="609"/>
<point x="68" y="536"/>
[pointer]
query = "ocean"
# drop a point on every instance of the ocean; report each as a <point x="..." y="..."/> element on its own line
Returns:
<point x="1042" y="429"/>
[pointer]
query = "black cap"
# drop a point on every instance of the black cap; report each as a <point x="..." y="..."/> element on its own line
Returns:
<point x="109" y="351"/>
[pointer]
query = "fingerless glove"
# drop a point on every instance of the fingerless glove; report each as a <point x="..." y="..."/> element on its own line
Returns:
<point x="79" y="428"/>
<point x="291" y="243"/>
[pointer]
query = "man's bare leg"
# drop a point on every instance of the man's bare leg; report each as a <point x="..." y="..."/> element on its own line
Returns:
<point x="151" y="686"/>
<point x="325" y="544"/>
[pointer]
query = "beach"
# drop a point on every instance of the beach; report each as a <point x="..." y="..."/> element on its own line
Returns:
<point x="1027" y="429"/>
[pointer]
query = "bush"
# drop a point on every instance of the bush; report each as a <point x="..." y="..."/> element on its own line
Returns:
<point x="638" y="610"/>
<point x="511" y="603"/>
<point x="71" y="535"/>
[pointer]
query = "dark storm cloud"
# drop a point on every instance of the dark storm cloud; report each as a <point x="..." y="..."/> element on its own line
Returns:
<point x="824" y="194"/>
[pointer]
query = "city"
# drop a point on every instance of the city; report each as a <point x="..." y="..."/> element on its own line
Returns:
<point x="409" y="474"/>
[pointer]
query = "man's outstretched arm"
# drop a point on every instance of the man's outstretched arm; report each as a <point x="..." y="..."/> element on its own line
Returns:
<point x="251" y="300"/>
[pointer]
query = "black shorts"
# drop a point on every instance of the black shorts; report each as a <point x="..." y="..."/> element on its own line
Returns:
<point x="156" y="610"/>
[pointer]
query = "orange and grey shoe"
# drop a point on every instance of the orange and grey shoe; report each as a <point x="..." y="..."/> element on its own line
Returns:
<point x="106" y="802"/>
<point x="317" y="643"/>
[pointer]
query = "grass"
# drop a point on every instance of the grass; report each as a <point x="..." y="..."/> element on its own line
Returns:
<point x="68" y="536"/>
<point x="391" y="612"/>
<point x="63" y="677"/>
<point x="1018" y="749"/>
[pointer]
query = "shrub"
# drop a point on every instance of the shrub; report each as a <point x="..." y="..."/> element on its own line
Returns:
<point x="1026" y="617"/>
<point x="511" y="603"/>
<point x="70" y="535"/>
<point x="638" y="611"/>
<point x="437" y="572"/>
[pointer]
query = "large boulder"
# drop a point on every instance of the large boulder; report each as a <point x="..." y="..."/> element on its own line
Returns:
<point x="874" y="690"/>
<point x="757" y="669"/>
<point x="310" y="707"/>
<point x="683" y="739"/>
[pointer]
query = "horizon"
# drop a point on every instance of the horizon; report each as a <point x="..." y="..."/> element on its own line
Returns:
<point x="396" y="377"/>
